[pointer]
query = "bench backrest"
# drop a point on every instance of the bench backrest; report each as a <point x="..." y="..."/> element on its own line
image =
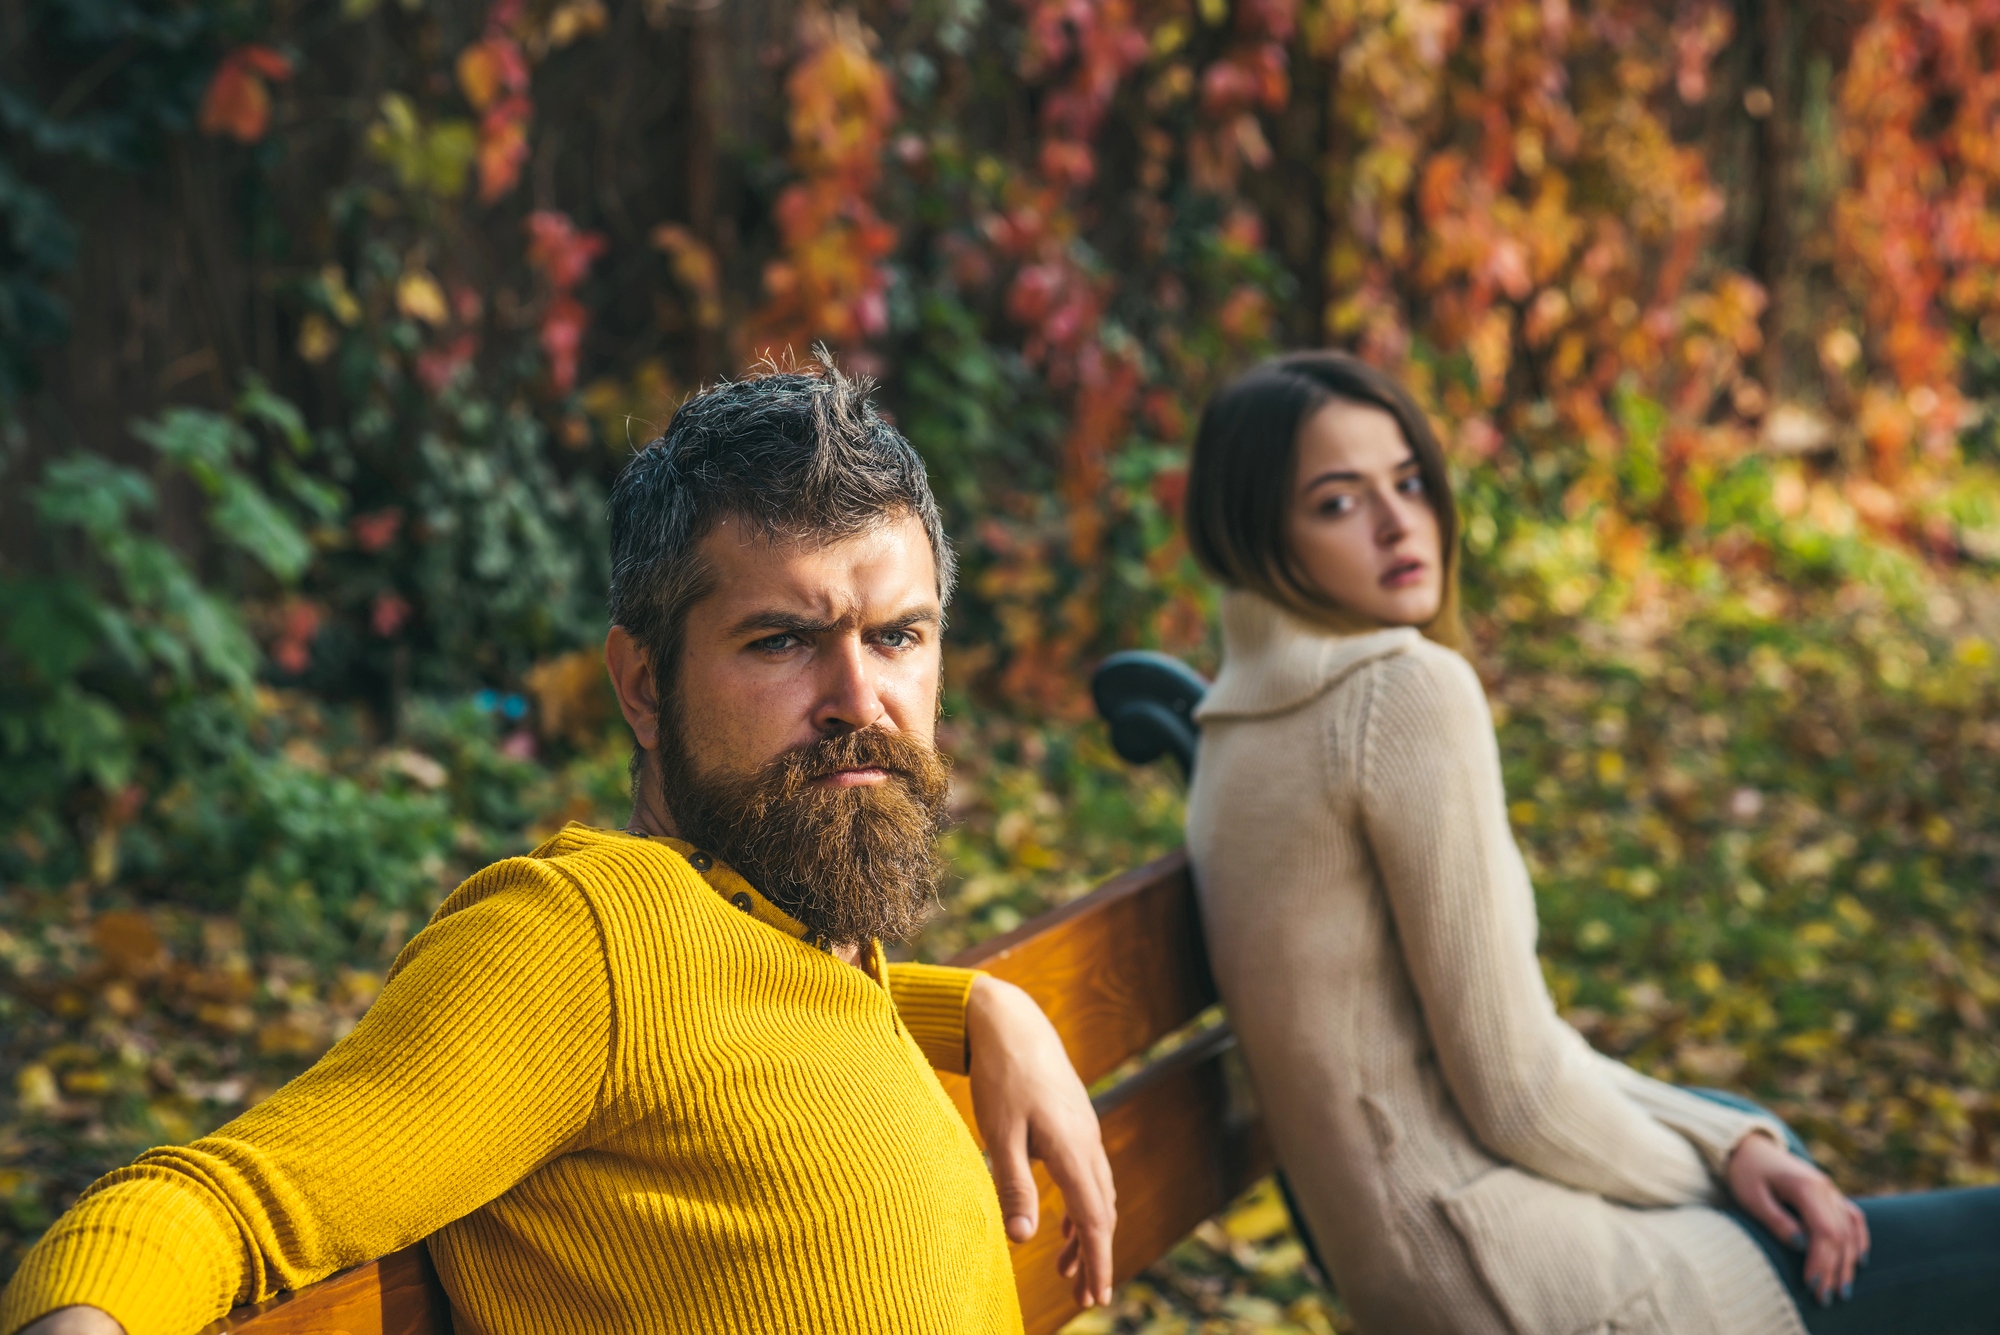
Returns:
<point x="1117" y="971"/>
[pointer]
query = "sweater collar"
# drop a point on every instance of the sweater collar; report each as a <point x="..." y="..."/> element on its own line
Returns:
<point x="1273" y="661"/>
<point x="745" y="897"/>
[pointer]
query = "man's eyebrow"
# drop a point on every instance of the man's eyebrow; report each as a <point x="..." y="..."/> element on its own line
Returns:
<point x="915" y="616"/>
<point x="775" y="621"/>
<point x="1338" y="475"/>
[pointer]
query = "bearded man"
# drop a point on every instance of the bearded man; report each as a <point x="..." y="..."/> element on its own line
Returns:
<point x="663" y="1078"/>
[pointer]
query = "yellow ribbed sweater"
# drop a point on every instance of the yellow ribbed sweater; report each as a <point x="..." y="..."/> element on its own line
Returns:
<point x="618" y="1092"/>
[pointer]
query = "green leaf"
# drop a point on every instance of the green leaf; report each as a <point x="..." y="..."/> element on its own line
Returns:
<point x="259" y="403"/>
<point x="322" y="499"/>
<point x="87" y="735"/>
<point x="205" y="444"/>
<point x="53" y="625"/>
<point x="89" y="492"/>
<point x="218" y="636"/>
<point x="245" y="516"/>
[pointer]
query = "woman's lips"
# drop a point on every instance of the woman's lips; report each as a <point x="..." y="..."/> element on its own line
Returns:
<point x="1403" y="574"/>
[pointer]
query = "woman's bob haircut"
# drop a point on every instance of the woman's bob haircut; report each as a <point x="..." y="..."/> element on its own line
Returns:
<point x="1239" y="491"/>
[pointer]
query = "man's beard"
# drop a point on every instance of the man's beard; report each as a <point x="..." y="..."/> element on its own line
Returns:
<point x="852" y="863"/>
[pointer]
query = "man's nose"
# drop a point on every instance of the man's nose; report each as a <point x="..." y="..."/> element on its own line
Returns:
<point x="848" y="700"/>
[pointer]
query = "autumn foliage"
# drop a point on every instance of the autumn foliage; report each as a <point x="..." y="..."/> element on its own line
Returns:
<point x="1704" y="299"/>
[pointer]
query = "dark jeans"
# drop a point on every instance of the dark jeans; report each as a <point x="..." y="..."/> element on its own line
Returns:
<point x="1933" y="1262"/>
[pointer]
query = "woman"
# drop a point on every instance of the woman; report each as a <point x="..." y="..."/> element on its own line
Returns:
<point x="1463" y="1159"/>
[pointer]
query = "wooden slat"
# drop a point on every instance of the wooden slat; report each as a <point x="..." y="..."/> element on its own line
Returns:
<point x="1117" y="970"/>
<point x="397" y="1295"/>
<point x="1178" y="1158"/>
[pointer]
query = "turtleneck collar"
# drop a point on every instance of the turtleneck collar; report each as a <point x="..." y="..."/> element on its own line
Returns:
<point x="1273" y="661"/>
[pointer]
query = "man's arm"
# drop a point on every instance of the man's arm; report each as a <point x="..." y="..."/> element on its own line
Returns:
<point x="483" y="1058"/>
<point x="75" y="1321"/>
<point x="1029" y="1104"/>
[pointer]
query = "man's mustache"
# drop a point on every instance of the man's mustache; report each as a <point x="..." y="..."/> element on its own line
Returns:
<point x="895" y="753"/>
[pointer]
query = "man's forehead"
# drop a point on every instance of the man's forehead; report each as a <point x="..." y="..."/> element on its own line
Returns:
<point x="885" y="569"/>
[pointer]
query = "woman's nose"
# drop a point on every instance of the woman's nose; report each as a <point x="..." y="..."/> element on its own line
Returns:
<point x="1391" y="527"/>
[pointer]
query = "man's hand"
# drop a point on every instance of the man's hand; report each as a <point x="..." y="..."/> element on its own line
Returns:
<point x="1780" y="1189"/>
<point x="1030" y="1104"/>
<point x="74" y="1321"/>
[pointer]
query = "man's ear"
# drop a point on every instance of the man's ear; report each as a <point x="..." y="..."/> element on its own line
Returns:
<point x="631" y="669"/>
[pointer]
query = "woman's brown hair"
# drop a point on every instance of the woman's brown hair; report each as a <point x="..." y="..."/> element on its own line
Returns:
<point x="1239" y="488"/>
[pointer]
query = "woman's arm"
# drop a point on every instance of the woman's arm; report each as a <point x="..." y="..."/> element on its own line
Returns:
<point x="1716" y="1129"/>
<point x="483" y="1058"/>
<point x="1435" y="816"/>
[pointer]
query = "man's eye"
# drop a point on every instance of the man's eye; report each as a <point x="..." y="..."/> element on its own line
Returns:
<point x="776" y="644"/>
<point x="897" y="639"/>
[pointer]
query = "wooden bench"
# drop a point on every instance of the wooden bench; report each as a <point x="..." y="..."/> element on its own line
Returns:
<point x="1117" y="972"/>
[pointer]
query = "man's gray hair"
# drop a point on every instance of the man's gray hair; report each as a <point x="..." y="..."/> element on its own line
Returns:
<point x="794" y="455"/>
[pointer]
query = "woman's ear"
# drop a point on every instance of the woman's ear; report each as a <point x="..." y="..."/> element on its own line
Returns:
<point x="631" y="669"/>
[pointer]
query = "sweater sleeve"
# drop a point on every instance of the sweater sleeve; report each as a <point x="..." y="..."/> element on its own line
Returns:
<point x="1715" y="1129"/>
<point x="483" y="1058"/>
<point x="1530" y="1087"/>
<point x="932" y="999"/>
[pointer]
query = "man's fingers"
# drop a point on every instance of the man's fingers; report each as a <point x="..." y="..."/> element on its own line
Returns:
<point x="1078" y="1166"/>
<point x="1014" y="1179"/>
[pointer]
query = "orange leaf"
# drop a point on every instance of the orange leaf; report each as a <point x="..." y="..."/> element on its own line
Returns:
<point x="238" y="102"/>
<point x="489" y="67"/>
<point x="503" y="148"/>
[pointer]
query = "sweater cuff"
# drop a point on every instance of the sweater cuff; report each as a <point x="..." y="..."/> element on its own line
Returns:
<point x="135" y="1246"/>
<point x="931" y="999"/>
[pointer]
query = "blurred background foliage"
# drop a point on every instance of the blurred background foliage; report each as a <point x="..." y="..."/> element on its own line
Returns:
<point x="324" y="324"/>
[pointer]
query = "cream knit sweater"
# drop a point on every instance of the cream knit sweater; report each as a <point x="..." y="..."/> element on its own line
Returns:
<point x="1466" y="1162"/>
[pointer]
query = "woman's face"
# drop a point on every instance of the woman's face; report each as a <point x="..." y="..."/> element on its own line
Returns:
<point x="1361" y="527"/>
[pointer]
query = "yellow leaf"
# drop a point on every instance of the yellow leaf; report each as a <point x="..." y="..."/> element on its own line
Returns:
<point x="35" y="1088"/>
<point x="316" y="338"/>
<point x="1855" y="916"/>
<point x="87" y="1083"/>
<point x="419" y="297"/>
<point x="339" y="300"/>
<point x="1811" y="1045"/>
<point x="1262" y="1215"/>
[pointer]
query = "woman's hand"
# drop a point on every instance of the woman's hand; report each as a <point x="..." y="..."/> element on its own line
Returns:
<point x="1800" y="1204"/>
<point x="74" y="1321"/>
<point x="1030" y="1105"/>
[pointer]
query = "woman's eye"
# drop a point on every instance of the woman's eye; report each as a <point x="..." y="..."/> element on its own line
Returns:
<point x="1334" y="506"/>
<point x="1413" y="485"/>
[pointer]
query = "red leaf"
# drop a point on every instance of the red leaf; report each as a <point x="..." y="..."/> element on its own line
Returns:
<point x="559" y="251"/>
<point x="388" y="614"/>
<point x="376" y="529"/>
